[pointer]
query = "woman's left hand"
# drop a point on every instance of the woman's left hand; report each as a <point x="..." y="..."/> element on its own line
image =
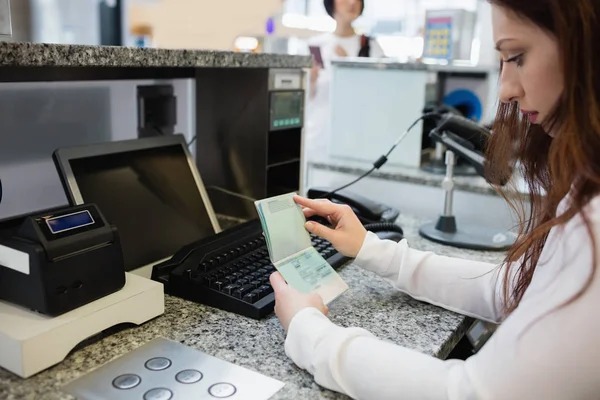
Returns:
<point x="289" y="301"/>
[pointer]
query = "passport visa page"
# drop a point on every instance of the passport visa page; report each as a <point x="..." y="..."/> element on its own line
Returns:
<point x="291" y="251"/>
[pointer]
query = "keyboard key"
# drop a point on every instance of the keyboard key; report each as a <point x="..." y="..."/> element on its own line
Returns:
<point x="238" y="275"/>
<point x="261" y="291"/>
<point x="220" y="274"/>
<point x="257" y="264"/>
<point x="254" y="275"/>
<point x="256" y="284"/>
<point x="242" y="282"/>
<point x="230" y="279"/>
<point x="204" y="267"/>
<point x="250" y="297"/>
<point x="229" y="289"/>
<point x="266" y="288"/>
<point x="241" y="292"/>
<point x="209" y="280"/>
<point x="218" y="285"/>
<point x="244" y="271"/>
<point x="262" y="271"/>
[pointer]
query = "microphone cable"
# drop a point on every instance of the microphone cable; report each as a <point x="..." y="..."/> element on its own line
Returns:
<point x="384" y="158"/>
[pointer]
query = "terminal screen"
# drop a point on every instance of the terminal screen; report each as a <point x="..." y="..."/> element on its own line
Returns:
<point x="151" y="197"/>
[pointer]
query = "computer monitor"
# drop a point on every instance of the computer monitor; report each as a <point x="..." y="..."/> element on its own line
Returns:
<point x="148" y="188"/>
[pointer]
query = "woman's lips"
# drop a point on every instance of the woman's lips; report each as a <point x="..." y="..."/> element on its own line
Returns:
<point x="532" y="115"/>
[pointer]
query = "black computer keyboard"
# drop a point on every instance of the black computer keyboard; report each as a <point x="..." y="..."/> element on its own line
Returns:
<point x="230" y="271"/>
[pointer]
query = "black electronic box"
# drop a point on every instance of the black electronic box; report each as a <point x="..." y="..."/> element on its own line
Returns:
<point x="56" y="261"/>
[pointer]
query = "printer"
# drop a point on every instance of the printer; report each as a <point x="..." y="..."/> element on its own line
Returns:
<point x="56" y="261"/>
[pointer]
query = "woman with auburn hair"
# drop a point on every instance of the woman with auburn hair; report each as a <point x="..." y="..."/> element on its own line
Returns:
<point x="546" y="294"/>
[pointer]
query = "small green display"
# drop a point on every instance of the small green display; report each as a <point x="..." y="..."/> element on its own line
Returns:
<point x="287" y="109"/>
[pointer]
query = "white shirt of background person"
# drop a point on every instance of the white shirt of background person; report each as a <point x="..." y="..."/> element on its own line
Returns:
<point x="343" y="42"/>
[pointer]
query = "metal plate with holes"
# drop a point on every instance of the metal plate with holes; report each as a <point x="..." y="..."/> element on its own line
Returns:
<point x="164" y="370"/>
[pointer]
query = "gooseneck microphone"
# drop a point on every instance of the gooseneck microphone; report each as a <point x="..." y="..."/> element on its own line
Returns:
<point x="468" y="140"/>
<point x="466" y="129"/>
<point x="464" y="137"/>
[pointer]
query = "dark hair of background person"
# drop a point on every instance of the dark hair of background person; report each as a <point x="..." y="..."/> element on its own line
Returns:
<point x="330" y="7"/>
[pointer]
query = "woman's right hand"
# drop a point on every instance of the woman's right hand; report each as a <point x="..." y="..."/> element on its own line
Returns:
<point x="348" y="233"/>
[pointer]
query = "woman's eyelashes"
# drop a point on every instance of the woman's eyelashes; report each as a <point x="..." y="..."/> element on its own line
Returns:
<point x="518" y="59"/>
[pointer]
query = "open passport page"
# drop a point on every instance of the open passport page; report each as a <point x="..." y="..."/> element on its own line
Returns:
<point x="291" y="250"/>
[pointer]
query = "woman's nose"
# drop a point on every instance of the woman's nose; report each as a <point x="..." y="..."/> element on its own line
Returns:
<point x="510" y="86"/>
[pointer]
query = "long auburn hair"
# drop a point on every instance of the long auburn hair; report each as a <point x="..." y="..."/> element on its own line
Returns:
<point x="569" y="162"/>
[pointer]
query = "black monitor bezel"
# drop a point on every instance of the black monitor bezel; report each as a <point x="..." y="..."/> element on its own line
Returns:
<point x="62" y="158"/>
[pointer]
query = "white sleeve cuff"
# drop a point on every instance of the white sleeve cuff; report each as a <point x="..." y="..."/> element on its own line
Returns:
<point x="304" y="332"/>
<point x="316" y="344"/>
<point x="377" y="255"/>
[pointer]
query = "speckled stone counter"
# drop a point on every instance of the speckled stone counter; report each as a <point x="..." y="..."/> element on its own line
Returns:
<point x="57" y="55"/>
<point x="390" y="63"/>
<point x="258" y="345"/>
<point x="473" y="183"/>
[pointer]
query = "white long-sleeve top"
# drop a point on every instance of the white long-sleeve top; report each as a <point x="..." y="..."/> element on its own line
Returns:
<point x="541" y="351"/>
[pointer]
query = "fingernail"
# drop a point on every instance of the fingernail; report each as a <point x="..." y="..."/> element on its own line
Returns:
<point x="310" y="225"/>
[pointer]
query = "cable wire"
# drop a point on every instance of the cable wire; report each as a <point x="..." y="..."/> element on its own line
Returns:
<point x="384" y="158"/>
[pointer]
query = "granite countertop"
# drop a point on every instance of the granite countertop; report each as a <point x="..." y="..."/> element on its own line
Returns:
<point x="58" y="55"/>
<point x="391" y="63"/>
<point x="471" y="183"/>
<point x="258" y="345"/>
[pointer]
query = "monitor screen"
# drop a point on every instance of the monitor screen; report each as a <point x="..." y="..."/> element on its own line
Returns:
<point x="150" y="195"/>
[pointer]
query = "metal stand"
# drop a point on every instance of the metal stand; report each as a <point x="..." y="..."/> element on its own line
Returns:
<point x="445" y="231"/>
<point x="437" y="165"/>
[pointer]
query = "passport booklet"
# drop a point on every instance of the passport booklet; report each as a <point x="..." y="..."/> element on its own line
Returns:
<point x="291" y="251"/>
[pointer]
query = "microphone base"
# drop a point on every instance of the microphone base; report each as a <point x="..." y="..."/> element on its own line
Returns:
<point x="446" y="232"/>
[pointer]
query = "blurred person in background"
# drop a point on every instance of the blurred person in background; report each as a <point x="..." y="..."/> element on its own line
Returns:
<point x="343" y="42"/>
